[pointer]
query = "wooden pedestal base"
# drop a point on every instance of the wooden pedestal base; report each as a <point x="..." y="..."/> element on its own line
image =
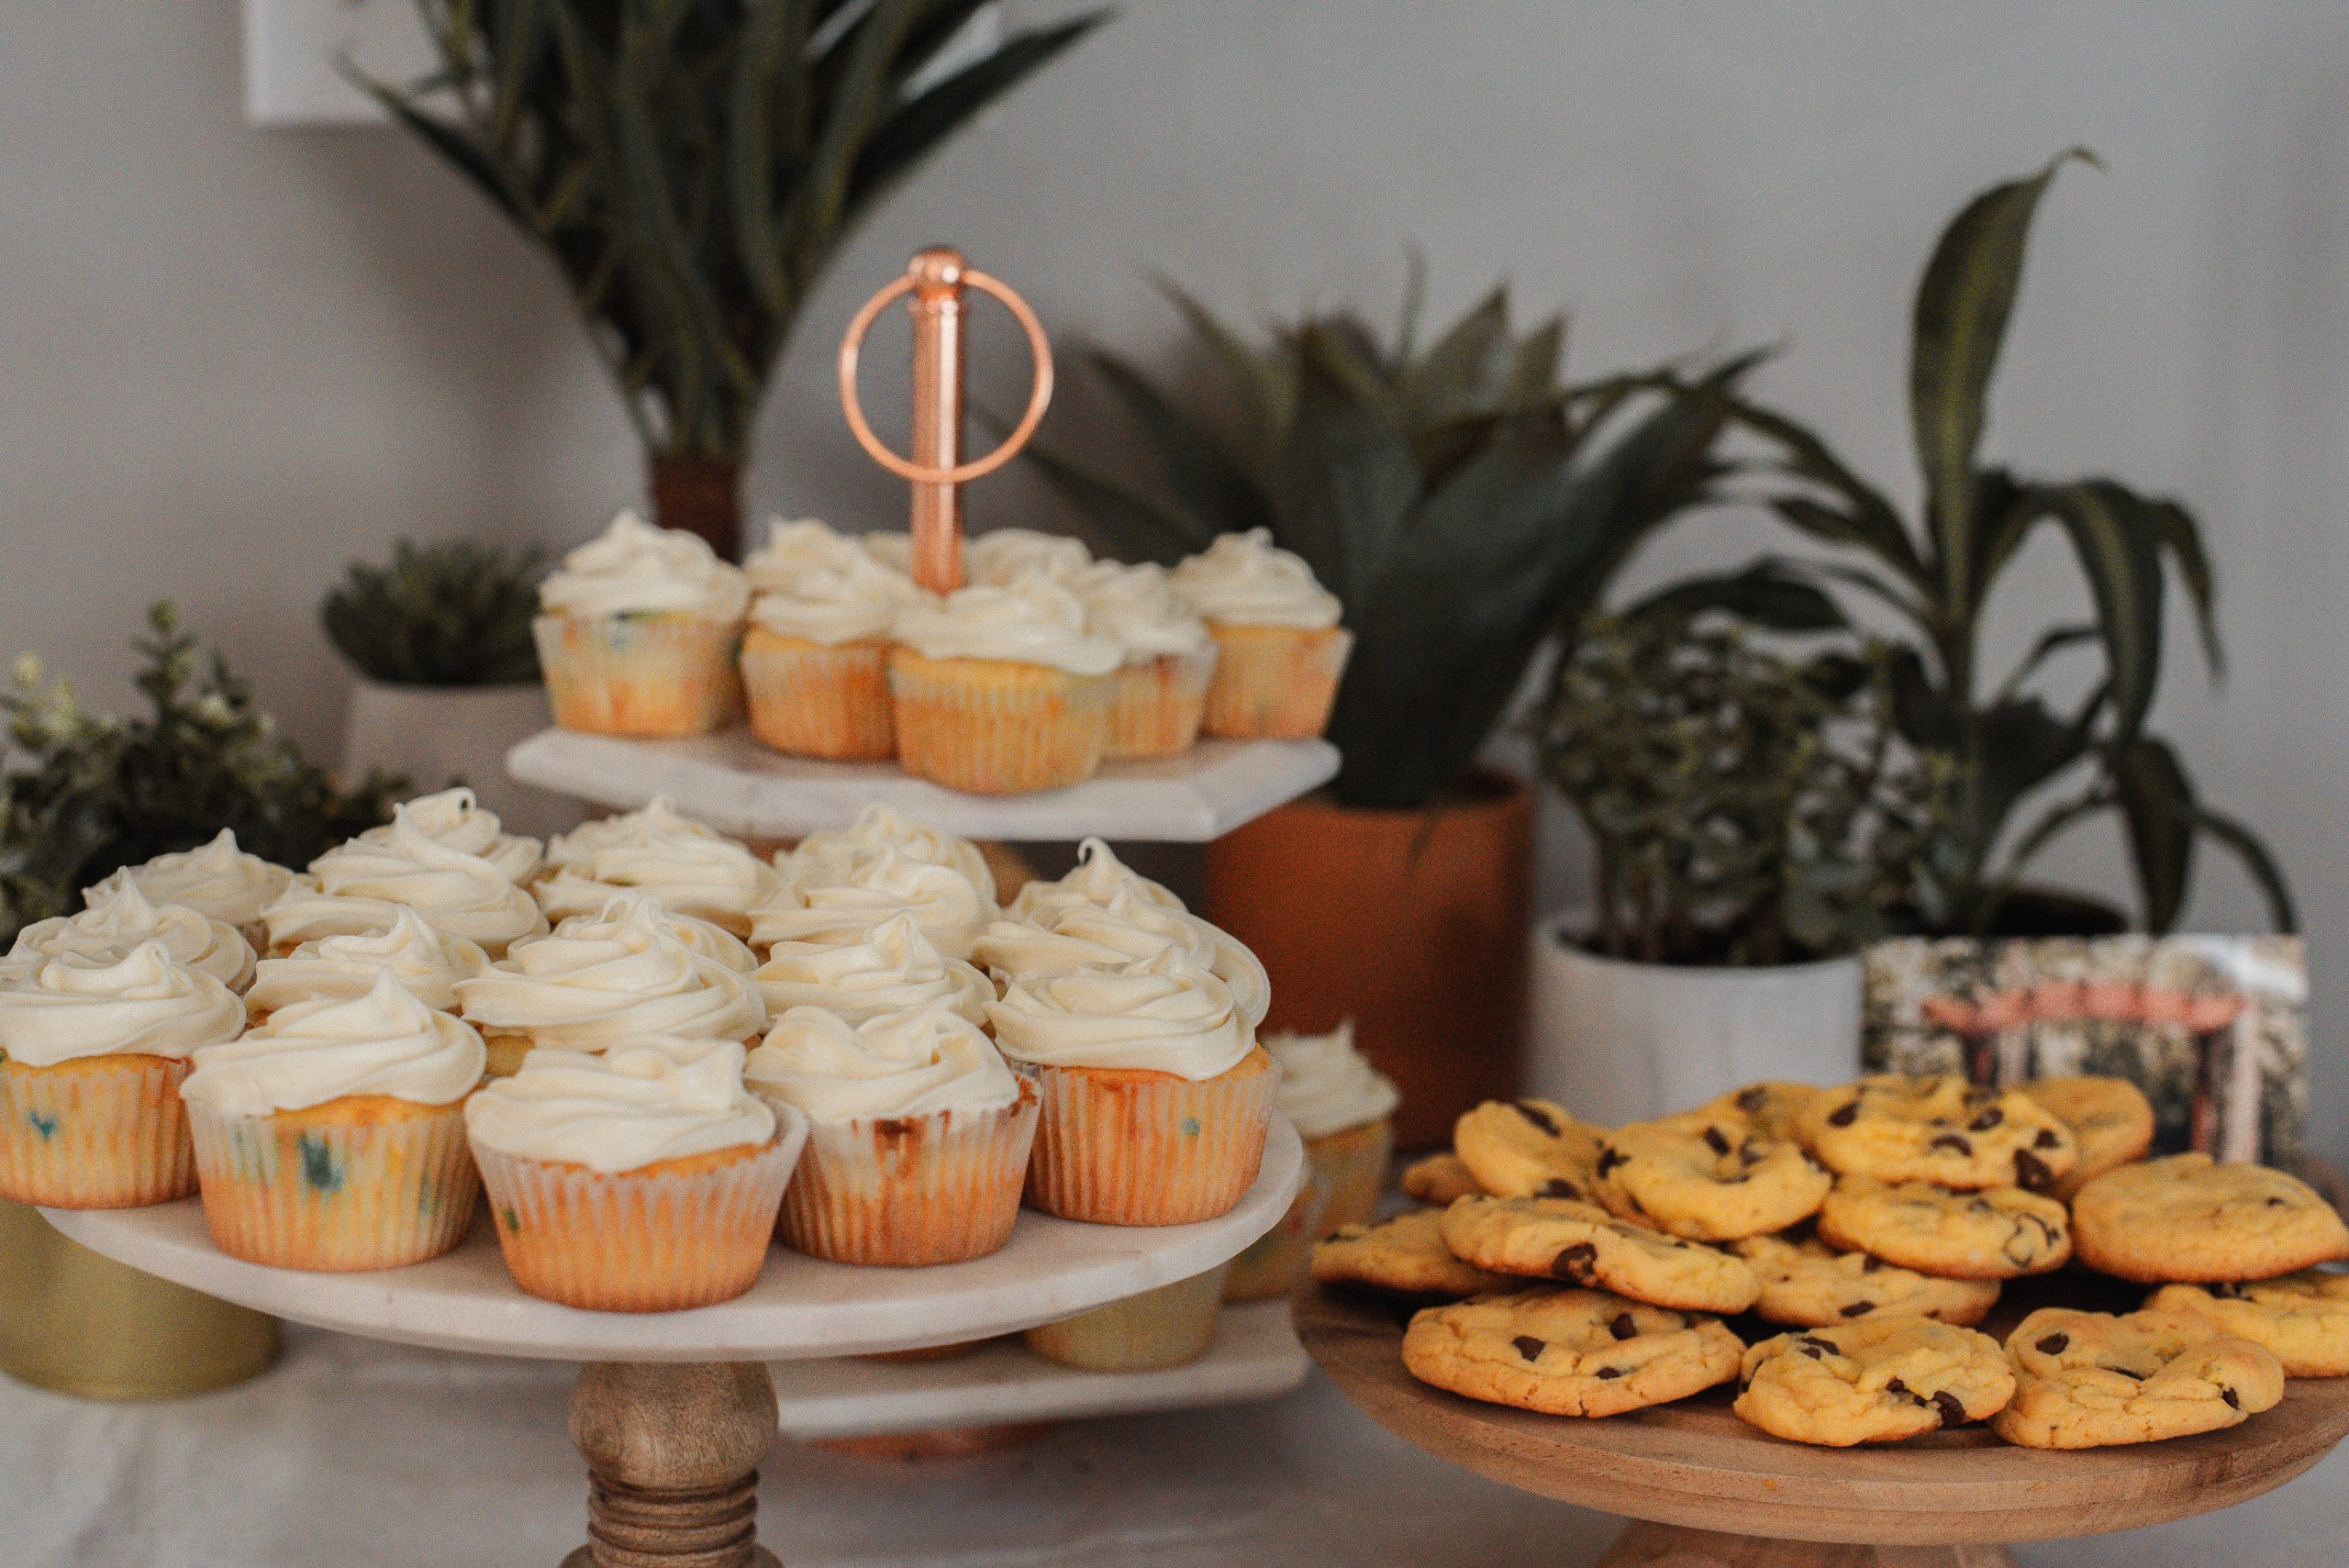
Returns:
<point x="1646" y="1545"/>
<point x="672" y="1453"/>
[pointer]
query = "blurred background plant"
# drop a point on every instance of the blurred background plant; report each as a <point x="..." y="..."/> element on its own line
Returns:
<point x="453" y="613"/>
<point x="690" y="166"/>
<point x="89" y="793"/>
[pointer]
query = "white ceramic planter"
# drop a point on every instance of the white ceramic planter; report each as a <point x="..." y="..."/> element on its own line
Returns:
<point x="436" y="734"/>
<point x="1615" y="1041"/>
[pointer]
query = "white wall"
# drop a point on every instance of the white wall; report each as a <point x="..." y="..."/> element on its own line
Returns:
<point x="236" y="358"/>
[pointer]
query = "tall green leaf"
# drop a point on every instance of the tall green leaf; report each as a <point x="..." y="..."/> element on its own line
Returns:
<point x="2120" y="554"/>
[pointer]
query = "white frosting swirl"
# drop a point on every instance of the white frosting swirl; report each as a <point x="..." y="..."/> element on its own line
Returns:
<point x="72" y="1004"/>
<point x="889" y="968"/>
<point x="817" y="856"/>
<point x="118" y="920"/>
<point x="1246" y="580"/>
<point x="846" y="895"/>
<point x="1070" y="934"/>
<point x="927" y="1062"/>
<point x="1097" y="877"/>
<point x="691" y="867"/>
<point x="456" y="817"/>
<point x="1164" y="1013"/>
<point x="461" y="893"/>
<point x="650" y="1101"/>
<point x="633" y="568"/>
<point x="815" y="584"/>
<point x="216" y="879"/>
<point x="346" y="966"/>
<point x="1326" y="1084"/>
<point x="381" y="1042"/>
<point x="302" y="915"/>
<point x="704" y="938"/>
<point x="1030" y="620"/>
<point x="594" y="986"/>
<point x="892" y="548"/>
<point x="1138" y="608"/>
<point x="1001" y="555"/>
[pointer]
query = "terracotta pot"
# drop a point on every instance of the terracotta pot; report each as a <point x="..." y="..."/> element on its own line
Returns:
<point x="701" y="495"/>
<point x="1412" y="923"/>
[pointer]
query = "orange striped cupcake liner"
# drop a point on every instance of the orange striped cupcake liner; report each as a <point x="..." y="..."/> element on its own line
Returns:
<point x="1121" y="1146"/>
<point x="813" y="699"/>
<point x="651" y="676"/>
<point x="910" y="1191"/>
<point x="94" y="1132"/>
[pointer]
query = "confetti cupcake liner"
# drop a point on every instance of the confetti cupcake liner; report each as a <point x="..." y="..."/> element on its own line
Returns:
<point x="94" y="1132"/>
<point x="911" y="1190"/>
<point x="810" y="699"/>
<point x="644" y="675"/>
<point x="996" y="727"/>
<point x="1119" y="1146"/>
<point x="1275" y="682"/>
<point x="1156" y="709"/>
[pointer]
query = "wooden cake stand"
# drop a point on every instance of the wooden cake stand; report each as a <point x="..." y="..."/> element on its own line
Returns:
<point x="1705" y="1490"/>
<point x="673" y="1410"/>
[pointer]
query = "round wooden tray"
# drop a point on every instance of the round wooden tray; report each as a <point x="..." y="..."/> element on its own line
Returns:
<point x="1694" y="1470"/>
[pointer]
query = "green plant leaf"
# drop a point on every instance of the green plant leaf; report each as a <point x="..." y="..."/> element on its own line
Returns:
<point x="765" y="119"/>
<point x="1459" y="371"/>
<point x="2157" y="802"/>
<point x="1345" y="480"/>
<point x="1772" y="593"/>
<point x="1265" y="389"/>
<point x="2119" y="547"/>
<point x="1139" y="526"/>
<point x="1207" y="482"/>
<point x="1865" y="518"/>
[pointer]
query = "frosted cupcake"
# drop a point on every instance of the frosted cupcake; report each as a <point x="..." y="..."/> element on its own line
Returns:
<point x="461" y="893"/>
<point x="840" y="898"/>
<point x="333" y="1136"/>
<point x="118" y="920"/>
<point x="1281" y="647"/>
<point x="1097" y="877"/>
<point x="1171" y="1326"/>
<point x="645" y="1179"/>
<point x="689" y="867"/>
<point x="918" y="1136"/>
<point x="1156" y="1097"/>
<point x="1167" y="658"/>
<point x="816" y="657"/>
<point x="428" y="964"/>
<point x="1000" y="689"/>
<point x="1002" y="555"/>
<point x="889" y="968"/>
<point x="1341" y="1106"/>
<point x="456" y="818"/>
<point x="217" y="880"/>
<point x="1070" y="935"/>
<point x="811" y="862"/>
<point x="597" y="983"/>
<point x="93" y="1050"/>
<point x="637" y="632"/>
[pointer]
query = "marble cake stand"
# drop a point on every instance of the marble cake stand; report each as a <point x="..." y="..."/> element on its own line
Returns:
<point x="673" y="1410"/>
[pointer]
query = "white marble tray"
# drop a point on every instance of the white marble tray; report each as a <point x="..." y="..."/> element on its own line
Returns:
<point x="1255" y="1356"/>
<point x="800" y="1307"/>
<point x="737" y="785"/>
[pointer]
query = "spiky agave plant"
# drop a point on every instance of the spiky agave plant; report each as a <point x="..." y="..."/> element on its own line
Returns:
<point x="453" y="613"/>
<point x="689" y="166"/>
<point x="1458" y="498"/>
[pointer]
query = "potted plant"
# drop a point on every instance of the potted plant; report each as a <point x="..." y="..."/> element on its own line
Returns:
<point x="85" y="795"/>
<point x="689" y="167"/>
<point x="447" y="674"/>
<point x="1754" y="819"/>
<point x="1462" y="501"/>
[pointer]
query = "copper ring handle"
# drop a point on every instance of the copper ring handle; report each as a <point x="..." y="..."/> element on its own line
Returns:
<point x="1039" y="399"/>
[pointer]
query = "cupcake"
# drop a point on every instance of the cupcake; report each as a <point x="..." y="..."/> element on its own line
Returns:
<point x="1167" y="658"/>
<point x="687" y="866"/>
<point x="601" y="980"/>
<point x="1097" y="877"/>
<point x="637" y="632"/>
<point x="841" y="897"/>
<point x="1171" y="1326"/>
<point x="1156" y="1097"/>
<point x="333" y="1136"/>
<point x="1000" y="690"/>
<point x="816" y="657"/>
<point x="94" y="1047"/>
<point x="217" y="880"/>
<point x="1001" y="555"/>
<point x="302" y="916"/>
<point x="457" y="820"/>
<point x="919" y="1135"/>
<point x="1069" y="935"/>
<point x="118" y="920"/>
<point x="1281" y="648"/>
<point x="644" y="1179"/>
<point x="1340" y="1105"/>
<point x="889" y="967"/>
<point x="346" y="967"/>
<point x="813" y="859"/>
<point x="1271" y="1266"/>
<point x="457" y="891"/>
<point x="892" y="548"/>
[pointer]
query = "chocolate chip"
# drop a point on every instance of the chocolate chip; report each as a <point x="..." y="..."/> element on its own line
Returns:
<point x="1859" y="1310"/>
<point x="1953" y="1410"/>
<point x="1528" y="1347"/>
<point x="1607" y="1374"/>
<point x="1749" y="1151"/>
<point x="1954" y="1142"/>
<point x="2047" y="1139"/>
<point x="2130" y="1372"/>
<point x="1715" y="1141"/>
<point x="2054" y="1345"/>
<point x="2031" y="1173"/>
<point x="1608" y="1159"/>
<point x="1870" y="1263"/>
<point x="1558" y="1186"/>
<point x="1622" y="1327"/>
<point x="1574" y="1263"/>
<point x="1751" y="1099"/>
<point x="1845" y="1115"/>
<point x="2234" y="1400"/>
<point x="1538" y="1116"/>
<point x="1896" y="1386"/>
<point x="1987" y="1121"/>
<point x="1814" y="1347"/>
<point x="2274" y="1203"/>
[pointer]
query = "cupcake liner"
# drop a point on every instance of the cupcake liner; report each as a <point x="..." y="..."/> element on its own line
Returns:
<point x="1351" y="1163"/>
<point x="1155" y="708"/>
<point x="310" y="1190"/>
<point x="505" y="1053"/>
<point x="646" y="675"/>
<point x="683" y="1233"/>
<point x="996" y="727"/>
<point x="1274" y="682"/>
<point x="1117" y="1146"/>
<point x="813" y="700"/>
<point x="94" y="1132"/>
<point x="1172" y="1326"/>
<point x="910" y="1191"/>
<point x="1274" y="1264"/>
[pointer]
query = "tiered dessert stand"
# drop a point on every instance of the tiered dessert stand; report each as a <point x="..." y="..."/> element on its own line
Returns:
<point x="1705" y="1490"/>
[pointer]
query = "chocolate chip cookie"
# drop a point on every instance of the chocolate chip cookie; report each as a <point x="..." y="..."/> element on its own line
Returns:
<point x="2303" y="1318"/>
<point x="1403" y="1256"/>
<point x="1563" y="1239"/>
<point x="1879" y="1380"/>
<point x="1439" y="1179"/>
<point x="2110" y="1119"/>
<point x="1806" y="1283"/>
<point x="1942" y="1130"/>
<point x="1994" y="1234"/>
<point x="2094" y="1380"/>
<point x="2183" y="1218"/>
<point x="1527" y="1149"/>
<point x="1707" y="1178"/>
<point x="1774" y="1107"/>
<point x="1568" y="1352"/>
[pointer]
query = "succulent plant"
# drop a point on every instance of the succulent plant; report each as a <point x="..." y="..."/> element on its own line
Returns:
<point x="1460" y="500"/>
<point x="91" y="793"/>
<point x="451" y="613"/>
<point x="2014" y="744"/>
<point x="689" y="166"/>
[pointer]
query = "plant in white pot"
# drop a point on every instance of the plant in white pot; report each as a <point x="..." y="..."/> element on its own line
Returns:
<point x="1755" y="822"/>
<point x="448" y="676"/>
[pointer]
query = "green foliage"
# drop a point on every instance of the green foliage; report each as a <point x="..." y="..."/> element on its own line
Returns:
<point x="690" y="166"/>
<point x="95" y="791"/>
<point x="451" y="613"/>
<point x="1461" y="501"/>
<point x="1746" y="806"/>
<point x="2014" y="742"/>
